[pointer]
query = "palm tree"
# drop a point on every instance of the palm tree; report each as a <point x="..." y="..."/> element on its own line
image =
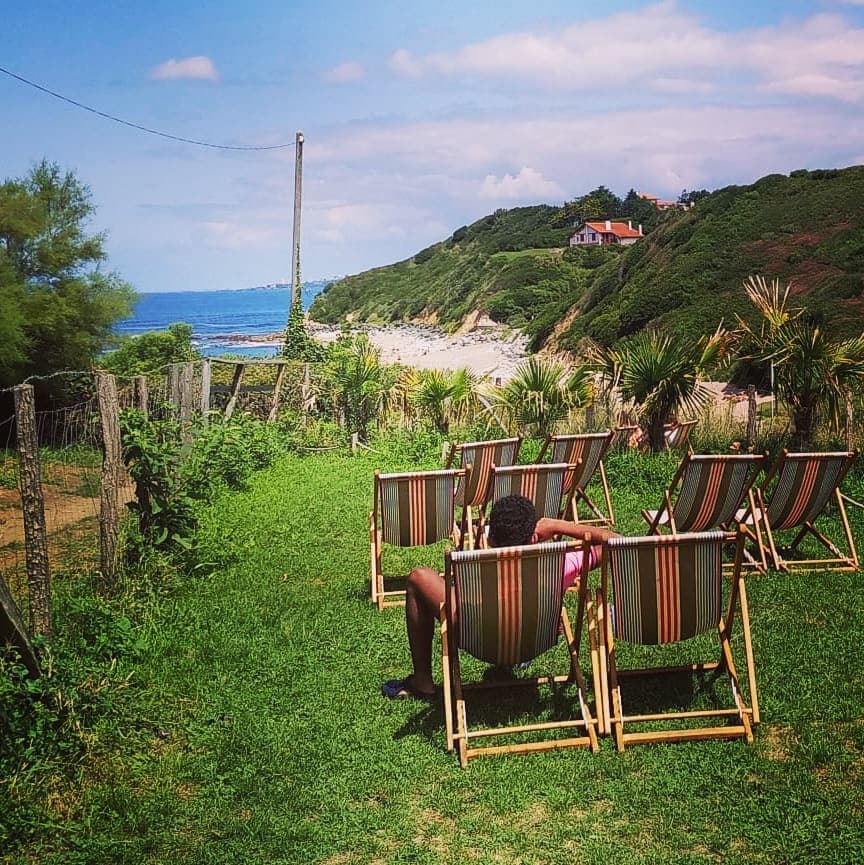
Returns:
<point x="660" y="374"/>
<point x="444" y="396"/>
<point x="359" y="381"/>
<point x="814" y="374"/>
<point x="542" y="393"/>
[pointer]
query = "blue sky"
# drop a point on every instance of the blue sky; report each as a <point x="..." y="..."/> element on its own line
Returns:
<point x="418" y="117"/>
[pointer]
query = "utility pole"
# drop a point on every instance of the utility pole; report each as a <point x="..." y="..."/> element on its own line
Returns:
<point x="298" y="194"/>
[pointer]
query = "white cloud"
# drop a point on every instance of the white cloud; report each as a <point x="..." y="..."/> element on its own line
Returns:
<point x="683" y="86"/>
<point x="345" y="73"/>
<point x="662" y="150"/>
<point x="663" y="47"/>
<point x="404" y="63"/>
<point x="527" y="185"/>
<point x="201" y="68"/>
<point x="820" y="85"/>
<point x="239" y="236"/>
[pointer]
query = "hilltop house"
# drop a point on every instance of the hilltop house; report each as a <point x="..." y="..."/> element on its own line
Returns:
<point x="663" y="204"/>
<point x="599" y="233"/>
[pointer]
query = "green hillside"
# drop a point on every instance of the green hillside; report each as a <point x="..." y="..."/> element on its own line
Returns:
<point x="807" y="228"/>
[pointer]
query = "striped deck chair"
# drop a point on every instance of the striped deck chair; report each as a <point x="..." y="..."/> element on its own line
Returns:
<point x="667" y="589"/>
<point x="795" y="493"/>
<point x="623" y="435"/>
<point x="678" y="437"/>
<point x="706" y="492"/>
<point x="477" y="459"/>
<point x="504" y="606"/>
<point x="409" y="510"/>
<point x="543" y="484"/>
<point x="587" y="451"/>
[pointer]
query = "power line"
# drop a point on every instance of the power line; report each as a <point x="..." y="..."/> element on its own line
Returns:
<point x="144" y="128"/>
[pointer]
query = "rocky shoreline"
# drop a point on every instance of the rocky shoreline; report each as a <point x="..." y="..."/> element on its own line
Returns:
<point x="493" y="351"/>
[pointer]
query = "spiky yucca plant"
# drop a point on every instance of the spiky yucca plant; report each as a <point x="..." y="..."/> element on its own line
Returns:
<point x="660" y="373"/>
<point x="541" y="394"/>
<point x="444" y="396"/>
<point x="814" y="373"/>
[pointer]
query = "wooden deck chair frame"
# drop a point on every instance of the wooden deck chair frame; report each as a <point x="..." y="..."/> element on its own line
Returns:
<point x="477" y="459"/>
<point x="682" y="565"/>
<point x="409" y="509"/>
<point x="795" y="493"/>
<point x="504" y="607"/>
<point x="543" y="484"/>
<point x="587" y="451"/>
<point x="706" y="493"/>
<point x="622" y="435"/>
<point x="678" y="437"/>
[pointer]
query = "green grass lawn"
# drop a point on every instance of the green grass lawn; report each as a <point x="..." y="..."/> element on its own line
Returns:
<point x="260" y="735"/>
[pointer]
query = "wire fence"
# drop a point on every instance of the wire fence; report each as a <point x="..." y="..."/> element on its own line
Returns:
<point x="63" y="486"/>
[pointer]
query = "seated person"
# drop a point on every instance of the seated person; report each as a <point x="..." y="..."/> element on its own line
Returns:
<point x="512" y="522"/>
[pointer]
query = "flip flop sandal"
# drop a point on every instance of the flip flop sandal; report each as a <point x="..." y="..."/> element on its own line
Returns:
<point x="403" y="689"/>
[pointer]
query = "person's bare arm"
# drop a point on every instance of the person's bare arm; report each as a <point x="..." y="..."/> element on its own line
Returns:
<point x="547" y="528"/>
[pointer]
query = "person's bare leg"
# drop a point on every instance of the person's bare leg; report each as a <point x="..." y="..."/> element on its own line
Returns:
<point x="424" y="595"/>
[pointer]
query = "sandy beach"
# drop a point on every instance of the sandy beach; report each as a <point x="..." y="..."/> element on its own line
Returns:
<point x="492" y="351"/>
<point x="495" y="352"/>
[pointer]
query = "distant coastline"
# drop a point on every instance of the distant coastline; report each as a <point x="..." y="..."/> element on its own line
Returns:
<point x="251" y="323"/>
<point x="223" y="319"/>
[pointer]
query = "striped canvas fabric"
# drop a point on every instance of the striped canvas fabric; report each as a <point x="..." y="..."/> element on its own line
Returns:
<point x="571" y="449"/>
<point x="481" y="456"/>
<point x="509" y="601"/>
<point x="805" y="482"/>
<point x="676" y="437"/>
<point x="542" y="484"/>
<point x="416" y="507"/>
<point x="667" y="587"/>
<point x="711" y="491"/>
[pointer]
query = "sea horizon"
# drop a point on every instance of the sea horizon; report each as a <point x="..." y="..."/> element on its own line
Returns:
<point x="219" y="316"/>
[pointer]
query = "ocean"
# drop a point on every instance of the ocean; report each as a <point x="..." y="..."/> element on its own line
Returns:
<point x="216" y="316"/>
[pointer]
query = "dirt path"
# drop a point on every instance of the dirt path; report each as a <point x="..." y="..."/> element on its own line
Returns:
<point x="61" y="509"/>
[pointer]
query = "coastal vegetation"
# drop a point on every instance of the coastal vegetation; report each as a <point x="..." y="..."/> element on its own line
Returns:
<point x="58" y="304"/>
<point x="686" y="275"/>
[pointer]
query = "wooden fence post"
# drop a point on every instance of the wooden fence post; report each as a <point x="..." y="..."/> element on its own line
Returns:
<point x="445" y="452"/>
<point x="751" y="414"/>
<point x="173" y="388"/>
<point x="850" y="422"/>
<point x="142" y="398"/>
<point x="277" y="389"/>
<point x="33" y="506"/>
<point x="306" y="395"/>
<point x="13" y="631"/>
<point x="205" y="388"/>
<point x="235" y="389"/>
<point x="186" y="372"/>
<point x="109" y="508"/>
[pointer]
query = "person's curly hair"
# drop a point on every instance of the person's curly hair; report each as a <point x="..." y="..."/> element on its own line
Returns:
<point x="512" y="522"/>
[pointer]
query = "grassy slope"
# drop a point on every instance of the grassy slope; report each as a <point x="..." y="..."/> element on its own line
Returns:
<point x="513" y="256"/>
<point x="808" y="228"/>
<point x="274" y="744"/>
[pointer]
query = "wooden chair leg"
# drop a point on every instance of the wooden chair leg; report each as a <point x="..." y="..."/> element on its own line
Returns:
<point x="602" y="664"/>
<point x="446" y="674"/>
<point x="595" y="645"/>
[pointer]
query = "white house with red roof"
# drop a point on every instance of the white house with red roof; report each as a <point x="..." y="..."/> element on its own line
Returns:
<point x="601" y="233"/>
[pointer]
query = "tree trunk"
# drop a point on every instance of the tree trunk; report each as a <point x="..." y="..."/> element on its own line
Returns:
<point x="803" y="424"/>
<point x="656" y="439"/>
